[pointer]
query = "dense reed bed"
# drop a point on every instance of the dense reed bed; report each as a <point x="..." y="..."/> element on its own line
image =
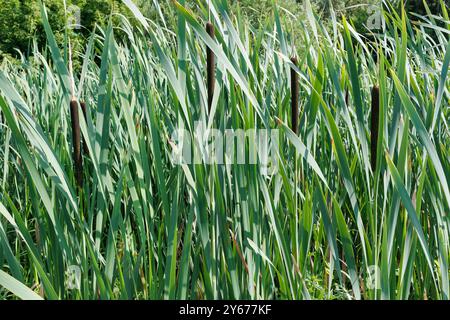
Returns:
<point x="358" y="207"/>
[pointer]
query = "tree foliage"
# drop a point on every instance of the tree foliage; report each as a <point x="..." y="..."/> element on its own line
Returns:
<point x="20" y="20"/>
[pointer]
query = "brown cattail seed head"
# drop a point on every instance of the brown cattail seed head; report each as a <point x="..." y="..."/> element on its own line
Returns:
<point x="294" y="96"/>
<point x="374" y="125"/>
<point x="76" y="140"/>
<point x="211" y="68"/>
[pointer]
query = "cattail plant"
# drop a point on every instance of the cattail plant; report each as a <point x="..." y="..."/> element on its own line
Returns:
<point x="294" y="96"/>
<point x="76" y="140"/>
<point x="374" y="126"/>
<point x="211" y="68"/>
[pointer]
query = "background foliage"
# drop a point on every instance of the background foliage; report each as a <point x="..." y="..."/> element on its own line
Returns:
<point x="20" y="20"/>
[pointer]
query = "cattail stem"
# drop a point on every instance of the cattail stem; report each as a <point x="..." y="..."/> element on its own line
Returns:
<point x="76" y="140"/>
<point x="85" y="147"/>
<point x="374" y="126"/>
<point x="211" y="67"/>
<point x="294" y="97"/>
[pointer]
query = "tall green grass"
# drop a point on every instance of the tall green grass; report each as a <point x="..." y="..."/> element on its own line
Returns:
<point x="142" y="227"/>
